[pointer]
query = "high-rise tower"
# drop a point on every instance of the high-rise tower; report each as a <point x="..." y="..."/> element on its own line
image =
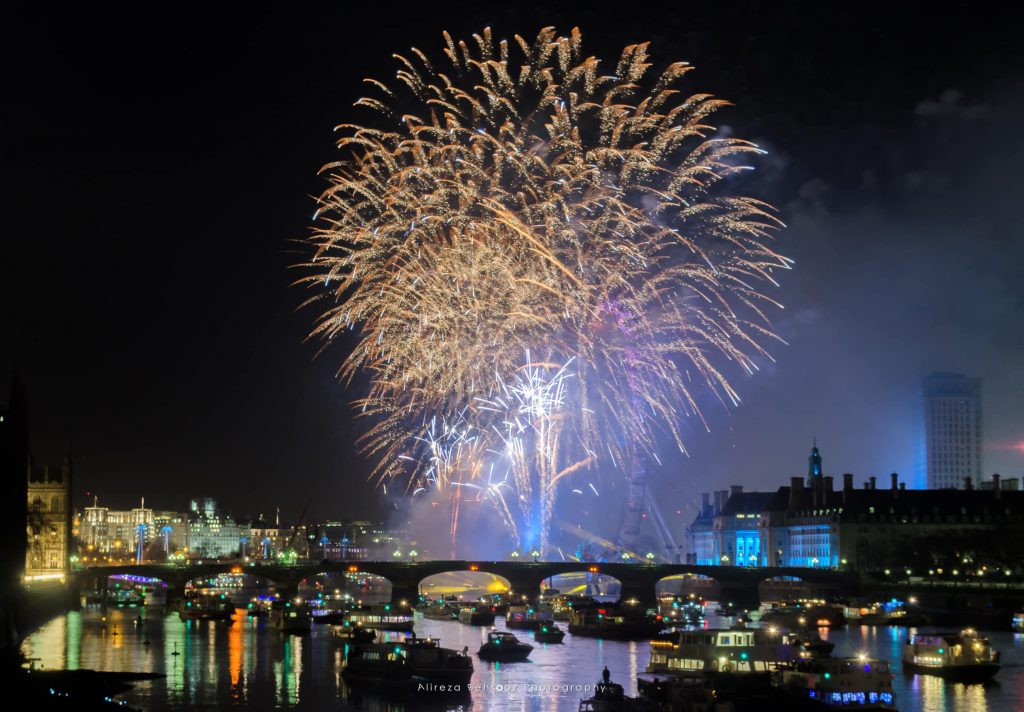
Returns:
<point x="952" y="427"/>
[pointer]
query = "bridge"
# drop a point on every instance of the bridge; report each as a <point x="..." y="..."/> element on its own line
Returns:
<point x="736" y="584"/>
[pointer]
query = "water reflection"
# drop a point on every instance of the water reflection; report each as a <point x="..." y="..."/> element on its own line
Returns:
<point x="247" y="665"/>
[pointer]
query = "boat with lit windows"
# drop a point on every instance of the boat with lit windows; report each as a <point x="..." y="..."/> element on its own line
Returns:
<point x="678" y="612"/>
<point x="548" y="633"/>
<point x="206" y="607"/>
<point x="529" y="617"/>
<point x="960" y="656"/>
<point x="259" y="606"/>
<point x="476" y="614"/>
<point x="839" y="684"/>
<point x="504" y="647"/>
<point x="885" y="613"/>
<point x="290" y="616"/>
<point x="737" y="660"/>
<point x="621" y="622"/>
<point x="418" y="661"/>
<point x="381" y="616"/>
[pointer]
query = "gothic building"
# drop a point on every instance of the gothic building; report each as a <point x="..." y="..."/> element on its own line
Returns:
<point x="48" y="520"/>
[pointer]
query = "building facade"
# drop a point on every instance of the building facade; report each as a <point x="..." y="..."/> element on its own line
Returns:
<point x="813" y="523"/>
<point x="212" y="534"/>
<point x="48" y="522"/>
<point x="952" y="430"/>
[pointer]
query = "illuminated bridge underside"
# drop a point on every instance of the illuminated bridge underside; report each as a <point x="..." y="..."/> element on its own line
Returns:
<point x="736" y="584"/>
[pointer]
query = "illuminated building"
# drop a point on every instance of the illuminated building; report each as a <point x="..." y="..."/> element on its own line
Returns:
<point x="952" y="430"/>
<point x="812" y="524"/>
<point x="212" y="534"/>
<point x="49" y="521"/>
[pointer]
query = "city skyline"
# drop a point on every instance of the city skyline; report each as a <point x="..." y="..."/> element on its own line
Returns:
<point x="219" y="388"/>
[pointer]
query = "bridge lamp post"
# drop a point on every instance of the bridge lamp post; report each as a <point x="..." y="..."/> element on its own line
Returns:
<point x="725" y="559"/>
<point x="625" y="557"/>
<point x="536" y="555"/>
<point x="397" y="554"/>
<point x="814" y="562"/>
<point x="650" y="557"/>
<point x="413" y="554"/>
<point x="515" y="555"/>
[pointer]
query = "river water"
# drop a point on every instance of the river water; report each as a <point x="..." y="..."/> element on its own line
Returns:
<point x="246" y="665"/>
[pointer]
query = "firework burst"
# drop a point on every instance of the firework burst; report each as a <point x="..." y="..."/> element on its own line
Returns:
<point x="509" y="197"/>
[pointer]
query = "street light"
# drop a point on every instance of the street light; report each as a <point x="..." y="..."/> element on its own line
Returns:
<point x="535" y="554"/>
<point x="515" y="555"/>
<point x="413" y="554"/>
<point x="650" y="557"/>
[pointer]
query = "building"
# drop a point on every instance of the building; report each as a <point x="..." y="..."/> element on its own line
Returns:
<point x="48" y="522"/>
<point x="812" y="523"/>
<point x="212" y="534"/>
<point x="952" y="430"/>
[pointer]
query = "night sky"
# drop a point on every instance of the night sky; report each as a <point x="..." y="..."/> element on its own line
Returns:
<point x="157" y="169"/>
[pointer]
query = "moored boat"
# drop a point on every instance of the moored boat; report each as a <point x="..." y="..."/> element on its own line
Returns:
<point x="382" y="616"/>
<point x="624" y="622"/>
<point x="206" y="607"/>
<point x="420" y="661"/>
<point x="476" y="615"/>
<point x="290" y="616"/>
<point x="353" y="634"/>
<point x="528" y="617"/>
<point x="961" y="656"/>
<point x="1018" y="622"/>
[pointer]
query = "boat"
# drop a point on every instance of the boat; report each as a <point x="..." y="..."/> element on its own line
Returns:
<point x="206" y="607"/>
<point x="625" y="622"/>
<point x="562" y="604"/>
<point x="548" y="634"/>
<point x="353" y="634"/>
<point x="1017" y="624"/>
<point x="808" y="642"/>
<point x="684" y="691"/>
<point x="418" y="661"/>
<point x="960" y="656"/>
<point x="681" y="613"/>
<point x="381" y="616"/>
<point x="504" y="647"/>
<point x="839" y="684"/>
<point x="290" y="616"/>
<point x="737" y="662"/>
<point x="805" y="614"/>
<point x="528" y="617"/>
<point x="476" y="615"/>
<point x="885" y="613"/>
<point x="445" y="610"/>
<point x="259" y="606"/>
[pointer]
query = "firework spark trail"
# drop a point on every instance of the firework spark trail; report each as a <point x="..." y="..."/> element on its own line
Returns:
<point x="511" y="196"/>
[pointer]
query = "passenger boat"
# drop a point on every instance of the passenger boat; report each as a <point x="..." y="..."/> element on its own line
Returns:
<point x="290" y="616"/>
<point x="381" y="616"/>
<point x="528" y="617"/>
<point x="840" y="684"/>
<point x="420" y="661"/>
<point x="548" y="634"/>
<point x="476" y="615"/>
<point x="202" y="607"/>
<point x="562" y="604"/>
<point x="738" y="660"/>
<point x="504" y="647"/>
<point x="259" y="606"/>
<point x="961" y="656"/>
<point x="625" y="622"/>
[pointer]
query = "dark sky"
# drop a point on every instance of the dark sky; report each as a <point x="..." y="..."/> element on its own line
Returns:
<point x="155" y="166"/>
